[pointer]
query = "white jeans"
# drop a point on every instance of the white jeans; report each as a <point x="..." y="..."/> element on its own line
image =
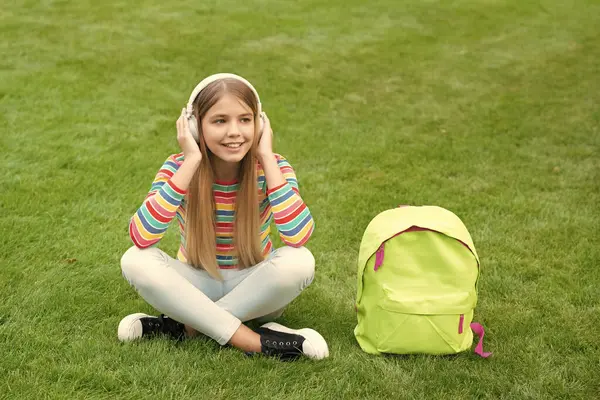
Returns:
<point x="215" y="308"/>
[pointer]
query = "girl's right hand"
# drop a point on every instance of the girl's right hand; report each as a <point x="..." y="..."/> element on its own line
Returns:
<point x="189" y="146"/>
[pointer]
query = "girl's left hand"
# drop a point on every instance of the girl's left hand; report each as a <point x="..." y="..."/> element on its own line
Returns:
<point x="265" y="144"/>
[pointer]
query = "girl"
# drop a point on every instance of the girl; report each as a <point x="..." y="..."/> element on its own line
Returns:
<point x="225" y="189"/>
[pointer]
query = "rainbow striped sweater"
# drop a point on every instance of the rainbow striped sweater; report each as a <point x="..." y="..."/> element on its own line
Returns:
<point x="166" y="201"/>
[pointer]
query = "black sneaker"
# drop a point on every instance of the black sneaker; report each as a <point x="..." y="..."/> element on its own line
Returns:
<point x="135" y="326"/>
<point x="288" y="344"/>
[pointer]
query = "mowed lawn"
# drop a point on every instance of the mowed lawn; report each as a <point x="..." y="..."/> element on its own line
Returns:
<point x="487" y="108"/>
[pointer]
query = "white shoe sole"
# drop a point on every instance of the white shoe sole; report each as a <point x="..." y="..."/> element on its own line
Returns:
<point x="314" y="345"/>
<point x="130" y="327"/>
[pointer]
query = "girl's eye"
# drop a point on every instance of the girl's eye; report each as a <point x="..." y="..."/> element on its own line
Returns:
<point x="245" y="120"/>
<point x="219" y="121"/>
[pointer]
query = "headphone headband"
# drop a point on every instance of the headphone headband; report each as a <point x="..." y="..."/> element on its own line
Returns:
<point x="213" y="78"/>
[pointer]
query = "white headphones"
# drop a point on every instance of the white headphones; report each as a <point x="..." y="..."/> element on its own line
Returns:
<point x="189" y="114"/>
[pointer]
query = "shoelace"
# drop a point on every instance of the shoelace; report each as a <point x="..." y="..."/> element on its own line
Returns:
<point x="153" y="324"/>
<point x="285" y="346"/>
<point x="170" y="327"/>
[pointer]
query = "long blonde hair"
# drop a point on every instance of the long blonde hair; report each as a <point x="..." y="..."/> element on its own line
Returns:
<point x="200" y="218"/>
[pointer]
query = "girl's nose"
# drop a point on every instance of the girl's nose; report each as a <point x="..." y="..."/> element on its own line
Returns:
<point x="233" y="129"/>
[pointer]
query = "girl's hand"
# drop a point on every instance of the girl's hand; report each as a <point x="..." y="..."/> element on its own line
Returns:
<point x="191" y="150"/>
<point x="265" y="145"/>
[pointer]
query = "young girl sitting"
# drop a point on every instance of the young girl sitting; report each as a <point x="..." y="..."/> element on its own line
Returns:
<point x="225" y="189"/>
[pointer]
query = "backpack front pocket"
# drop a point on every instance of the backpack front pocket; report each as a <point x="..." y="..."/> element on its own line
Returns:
<point x="416" y="323"/>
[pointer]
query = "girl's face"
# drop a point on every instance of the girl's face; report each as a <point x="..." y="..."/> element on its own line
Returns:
<point x="228" y="128"/>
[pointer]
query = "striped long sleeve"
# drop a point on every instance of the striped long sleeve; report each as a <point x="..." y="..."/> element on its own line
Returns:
<point x="292" y="217"/>
<point x="165" y="201"/>
<point x="151" y="220"/>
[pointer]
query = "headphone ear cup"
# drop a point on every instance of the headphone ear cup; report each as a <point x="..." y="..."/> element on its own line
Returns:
<point x="193" y="126"/>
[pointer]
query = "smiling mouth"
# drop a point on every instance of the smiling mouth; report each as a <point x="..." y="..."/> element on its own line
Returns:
<point x="233" y="145"/>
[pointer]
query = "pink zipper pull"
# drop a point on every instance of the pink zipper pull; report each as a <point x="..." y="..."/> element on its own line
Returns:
<point x="477" y="329"/>
<point x="379" y="256"/>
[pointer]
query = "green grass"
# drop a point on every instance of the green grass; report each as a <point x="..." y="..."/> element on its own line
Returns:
<point x="487" y="108"/>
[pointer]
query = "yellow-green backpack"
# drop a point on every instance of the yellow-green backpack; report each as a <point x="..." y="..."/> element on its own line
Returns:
<point x="417" y="284"/>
